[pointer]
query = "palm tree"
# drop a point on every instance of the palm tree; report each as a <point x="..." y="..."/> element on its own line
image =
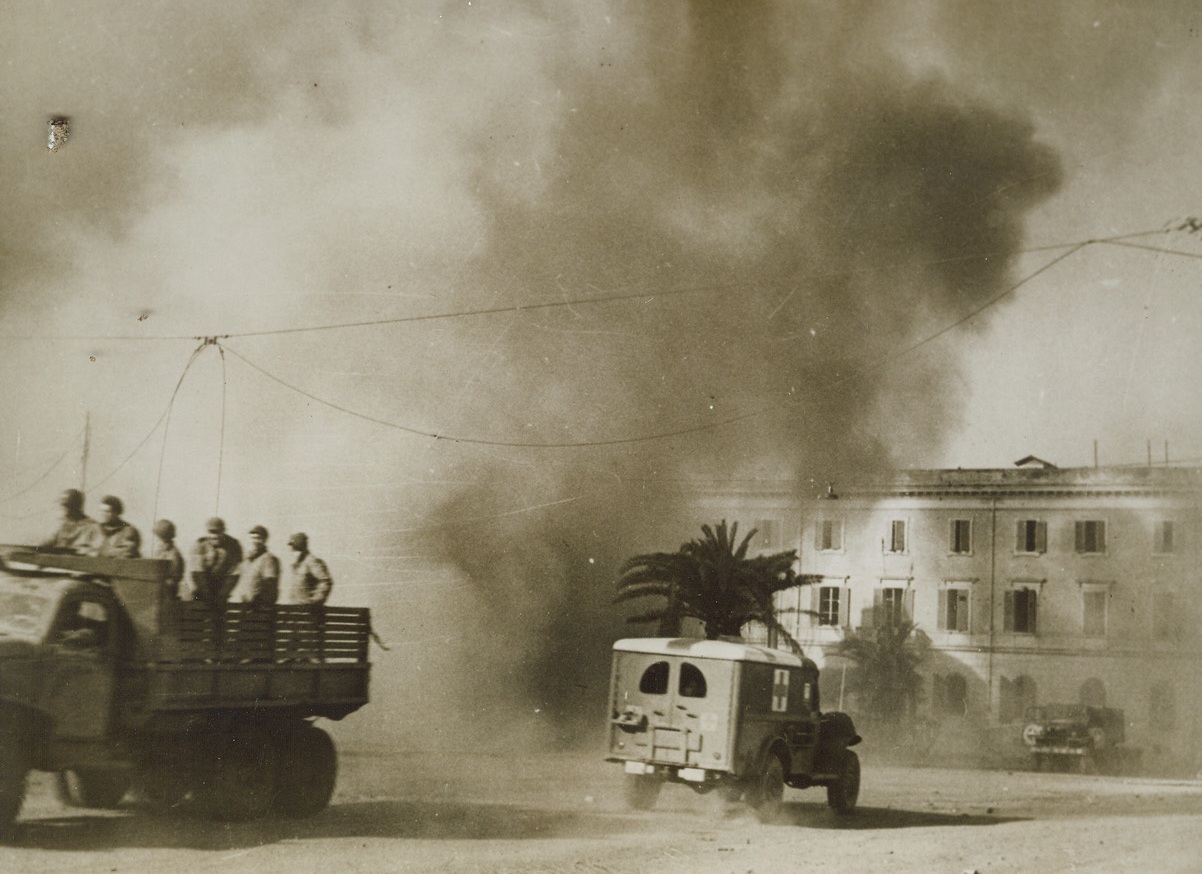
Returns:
<point x="711" y="579"/>
<point x="887" y="659"/>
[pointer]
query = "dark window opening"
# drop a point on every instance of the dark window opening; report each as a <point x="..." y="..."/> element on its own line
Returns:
<point x="961" y="536"/>
<point x="692" y="681"/>
<point x="1091" y="536"/>
<point x="655" y="679"/>
<point x="1032" y="536"/>
<point x="1021" y="611"/>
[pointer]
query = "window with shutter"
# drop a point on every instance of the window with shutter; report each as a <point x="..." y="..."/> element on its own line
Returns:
<point x="1031" y="537"/>
<point x="960" y="541"/>
<point x="1091" y="537"/>
<point x="1020" y="611"/>
<point x="953" y="609"/>
<point x="897" y="536"/>
<point x="829" y="535"/>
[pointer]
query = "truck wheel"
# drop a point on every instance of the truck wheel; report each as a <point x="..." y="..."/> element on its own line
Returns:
<point x="240" y="781"/>
<point x="308" y="770"/>
<point x="91" y="788"/>
<point x="14" y="769"/>
<point x="766" y="791"/>
<point x="845" y="791"/>
<point x="641" y="791"/>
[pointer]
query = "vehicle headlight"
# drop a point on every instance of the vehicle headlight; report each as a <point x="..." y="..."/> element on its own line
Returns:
<point x="1032" y="733"/>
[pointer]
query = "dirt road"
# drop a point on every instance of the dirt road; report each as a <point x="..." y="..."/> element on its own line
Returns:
<point x="402" y="812"/>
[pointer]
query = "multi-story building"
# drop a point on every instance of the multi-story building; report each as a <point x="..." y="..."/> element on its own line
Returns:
<point x="1034" y="584"/>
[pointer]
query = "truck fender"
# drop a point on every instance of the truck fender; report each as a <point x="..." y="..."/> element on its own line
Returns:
<point x="836" y="732"/>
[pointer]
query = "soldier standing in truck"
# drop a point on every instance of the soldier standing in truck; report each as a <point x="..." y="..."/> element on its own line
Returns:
<point x="259" y="579"/>
<point x="311" y="581"/>
<point x="165" y="549"/>
<point x="77" y="532"/>
<point x="121" y="540"/>
<point x="216" y="558"/>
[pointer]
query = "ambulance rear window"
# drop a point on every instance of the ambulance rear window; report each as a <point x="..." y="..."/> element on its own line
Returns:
<point x="655" y="679"/>
<point x="692" y="681"/>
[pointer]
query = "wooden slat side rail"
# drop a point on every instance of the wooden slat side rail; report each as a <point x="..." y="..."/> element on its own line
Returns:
<point x="239" y="633"/>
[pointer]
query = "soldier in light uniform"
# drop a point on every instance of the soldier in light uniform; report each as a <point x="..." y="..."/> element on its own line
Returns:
<point x="259" y="579"/>
<point x="311" y="581"/>
<point x="78" y="532"/>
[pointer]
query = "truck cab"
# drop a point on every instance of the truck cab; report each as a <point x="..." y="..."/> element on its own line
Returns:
<point x="719" y="714"/>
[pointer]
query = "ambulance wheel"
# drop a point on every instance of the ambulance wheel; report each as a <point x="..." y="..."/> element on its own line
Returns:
<point x="845" y="791"/>
<point x="91" y="788"/>
<point x="14" y="769"/>
<point x="766" y="791"/>
<point x="642" y="791"/>
<point x="308" y="770"/>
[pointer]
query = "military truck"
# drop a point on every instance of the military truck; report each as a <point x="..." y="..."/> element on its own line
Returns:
<point x="739" y="718"/>
<point x="1078" y="736"/>
<point x="110" y="682"/>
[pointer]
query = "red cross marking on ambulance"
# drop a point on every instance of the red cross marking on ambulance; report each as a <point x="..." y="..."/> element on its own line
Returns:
<point x="780" y="691"/>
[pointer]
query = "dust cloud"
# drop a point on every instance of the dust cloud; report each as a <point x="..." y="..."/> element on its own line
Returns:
<point x="783" y="207"/>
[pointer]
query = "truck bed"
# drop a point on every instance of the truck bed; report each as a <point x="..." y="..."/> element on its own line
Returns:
<point x="307" y="658"/>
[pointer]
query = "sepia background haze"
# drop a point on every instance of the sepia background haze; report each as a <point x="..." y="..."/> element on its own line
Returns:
<point x="790" y="205"/>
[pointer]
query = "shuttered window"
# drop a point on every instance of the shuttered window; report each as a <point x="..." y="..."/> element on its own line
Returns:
<point x="1032" y="536"/>
<point x="1021" y="611"/>
<point x="829" y="535"/>
<point x="960" y="537"/>
<point x="1091" y="537"/>
<point x="897" y="536"/>
<point x="953" y="609"/>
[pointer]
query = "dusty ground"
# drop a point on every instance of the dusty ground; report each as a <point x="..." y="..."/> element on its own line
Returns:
<point x="440" y="813"/>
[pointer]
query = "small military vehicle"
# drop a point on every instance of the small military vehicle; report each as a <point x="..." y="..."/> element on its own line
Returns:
<point x="111" y="683"/>
<point x="714" y="714"/>
<point x="1079" y="737"/>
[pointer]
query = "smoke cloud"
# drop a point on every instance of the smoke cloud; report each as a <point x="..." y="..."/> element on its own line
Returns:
<point x="794" y="209"/>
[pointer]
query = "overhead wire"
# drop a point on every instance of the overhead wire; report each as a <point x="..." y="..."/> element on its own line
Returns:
<point x="1117" y="239"/>
<point x="661" y="435"/>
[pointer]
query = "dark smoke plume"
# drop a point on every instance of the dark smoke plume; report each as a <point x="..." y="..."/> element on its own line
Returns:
<point x="828" y="204"/>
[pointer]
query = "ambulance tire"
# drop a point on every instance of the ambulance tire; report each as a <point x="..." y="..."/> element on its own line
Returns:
<point x="14" y="772"/>
<point x="765" y="794"/>
<point x="842" y="794"/>
<point x="91" y="788"/>
<point x="642" y="791"/>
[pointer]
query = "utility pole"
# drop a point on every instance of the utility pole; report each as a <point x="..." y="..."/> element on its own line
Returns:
<point x="83" y="461"/>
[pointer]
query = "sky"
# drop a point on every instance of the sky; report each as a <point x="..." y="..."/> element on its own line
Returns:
<point x="471" y="291"/>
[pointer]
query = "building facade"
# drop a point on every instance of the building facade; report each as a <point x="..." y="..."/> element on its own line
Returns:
<point x="1034" y="584"/>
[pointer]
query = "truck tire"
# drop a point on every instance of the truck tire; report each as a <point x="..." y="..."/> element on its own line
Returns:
<point x="91" y="788"/>
<point x="842" y="794"/>
<point x="766" y="791"/>
<point x="308" y="770"/>
<point x="240" y="781"/>
<point x="14" y="770"/>
<point x="642" y="791"/>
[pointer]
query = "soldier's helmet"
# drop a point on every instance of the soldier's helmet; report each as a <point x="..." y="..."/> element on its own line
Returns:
<point x="216" y="525"/>
<point x="298" y="541"/>
<point x="164" y="529"/>
<point x="71" y="499"/>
